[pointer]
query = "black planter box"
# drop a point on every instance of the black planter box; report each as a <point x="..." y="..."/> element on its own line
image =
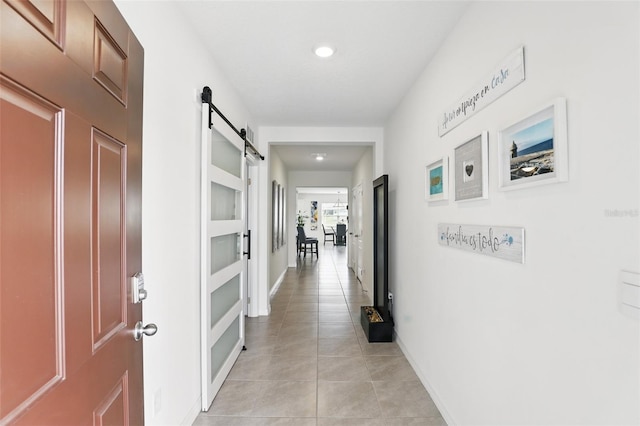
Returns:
<point x="376" y="331"/>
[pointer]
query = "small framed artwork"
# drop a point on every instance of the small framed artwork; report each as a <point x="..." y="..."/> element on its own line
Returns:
<point x="283" y="222"/>
<point x="534" y="151"/>
<point x="275" y="222"/>
<point x="471" y="165"/>
<point x="436" y="177"/>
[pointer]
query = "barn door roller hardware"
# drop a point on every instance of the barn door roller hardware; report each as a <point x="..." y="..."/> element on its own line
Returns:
<point x="207" y="98"/>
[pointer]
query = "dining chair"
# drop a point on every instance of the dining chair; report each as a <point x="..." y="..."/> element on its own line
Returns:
<point x="329" y="236"/>
<point x="305" y="242"/>
<point x="341" y="234"/>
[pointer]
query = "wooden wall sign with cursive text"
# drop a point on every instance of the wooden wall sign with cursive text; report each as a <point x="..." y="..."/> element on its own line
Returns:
<point x="505" y="77"/>
<point x="497" y="241"/>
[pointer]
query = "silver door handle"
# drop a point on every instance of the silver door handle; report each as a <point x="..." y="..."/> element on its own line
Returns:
<point x="147" y="330"/>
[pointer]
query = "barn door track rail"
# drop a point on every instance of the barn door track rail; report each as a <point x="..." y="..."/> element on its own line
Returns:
<point x="207" y="98"/>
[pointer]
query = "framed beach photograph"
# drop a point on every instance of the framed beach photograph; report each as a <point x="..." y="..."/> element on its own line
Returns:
<point x="471" y="169"/>
<point x="534" y="150"/>
<point x="436" y="179"/>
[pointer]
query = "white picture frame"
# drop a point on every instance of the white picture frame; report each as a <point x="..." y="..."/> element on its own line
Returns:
<point x="534" y="150"/>
<point x="471" y="169"/>
<point x="436" y="180"/>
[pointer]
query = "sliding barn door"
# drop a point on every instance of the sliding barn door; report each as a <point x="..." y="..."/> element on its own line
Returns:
<point x="222" y="268"/>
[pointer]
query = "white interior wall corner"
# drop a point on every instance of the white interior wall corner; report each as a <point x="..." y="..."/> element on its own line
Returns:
<point x="543" y="342"/>
<point x="170" y="203"/>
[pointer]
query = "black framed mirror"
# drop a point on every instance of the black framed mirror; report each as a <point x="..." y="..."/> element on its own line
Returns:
<point x="381" y="246"/>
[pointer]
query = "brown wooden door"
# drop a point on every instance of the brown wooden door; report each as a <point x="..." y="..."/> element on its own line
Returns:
<point x="70" y="216"/>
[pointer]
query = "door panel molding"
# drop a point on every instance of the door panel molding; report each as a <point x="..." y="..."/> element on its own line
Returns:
<point x="110" y="65"/>
<point x="108" y="189"/>
<point x="114" y="407"/>
<point x="32" y="360"/>
<point x="46" y="17"/>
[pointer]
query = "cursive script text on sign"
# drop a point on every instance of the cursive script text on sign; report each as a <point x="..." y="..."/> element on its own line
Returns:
<point x="497" y="241"/>
<point x="505" y="77"/>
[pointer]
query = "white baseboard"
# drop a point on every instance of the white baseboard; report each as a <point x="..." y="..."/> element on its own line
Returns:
<point x="276" y="286"/>
<point x="432" y="392"/>
<point x="264" y="313"/>
<point x="273" y="291"/>
<point x="193" y="413"/>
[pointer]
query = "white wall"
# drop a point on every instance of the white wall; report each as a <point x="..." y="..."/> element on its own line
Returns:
<point x="177" y="67"/>
<point x="544" y="342"/>
<point x="278" y="259"/>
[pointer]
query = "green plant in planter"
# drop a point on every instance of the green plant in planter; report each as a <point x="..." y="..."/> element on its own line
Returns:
<point x="301" y="218"/>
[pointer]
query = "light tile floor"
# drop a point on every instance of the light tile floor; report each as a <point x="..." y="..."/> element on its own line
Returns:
<point x="309" y="362"/>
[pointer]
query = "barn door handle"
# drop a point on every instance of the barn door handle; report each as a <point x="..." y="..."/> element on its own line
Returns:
<point x="147" y="330"/>
<point x="248" y="252"/>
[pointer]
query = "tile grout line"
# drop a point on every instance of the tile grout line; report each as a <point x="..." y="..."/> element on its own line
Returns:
<point x="312" y="274"/>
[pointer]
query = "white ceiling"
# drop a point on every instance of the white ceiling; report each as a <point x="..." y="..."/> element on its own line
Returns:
<point x="265" y="49"/>
<point x="338" y="157"/>
<point x="323" y="190"/>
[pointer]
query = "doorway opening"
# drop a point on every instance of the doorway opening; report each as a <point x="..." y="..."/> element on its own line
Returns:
<point x="322" y="211"/>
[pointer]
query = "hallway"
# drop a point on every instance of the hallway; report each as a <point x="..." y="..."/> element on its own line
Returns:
<point x="309" y="362"/>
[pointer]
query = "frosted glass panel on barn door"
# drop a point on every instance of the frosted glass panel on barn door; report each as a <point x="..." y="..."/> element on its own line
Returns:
<point x="222" y="269"/>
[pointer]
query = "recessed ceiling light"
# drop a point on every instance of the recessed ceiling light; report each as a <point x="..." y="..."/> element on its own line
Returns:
<point x="319" y="156"/>
<point x="324" y="51"/>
